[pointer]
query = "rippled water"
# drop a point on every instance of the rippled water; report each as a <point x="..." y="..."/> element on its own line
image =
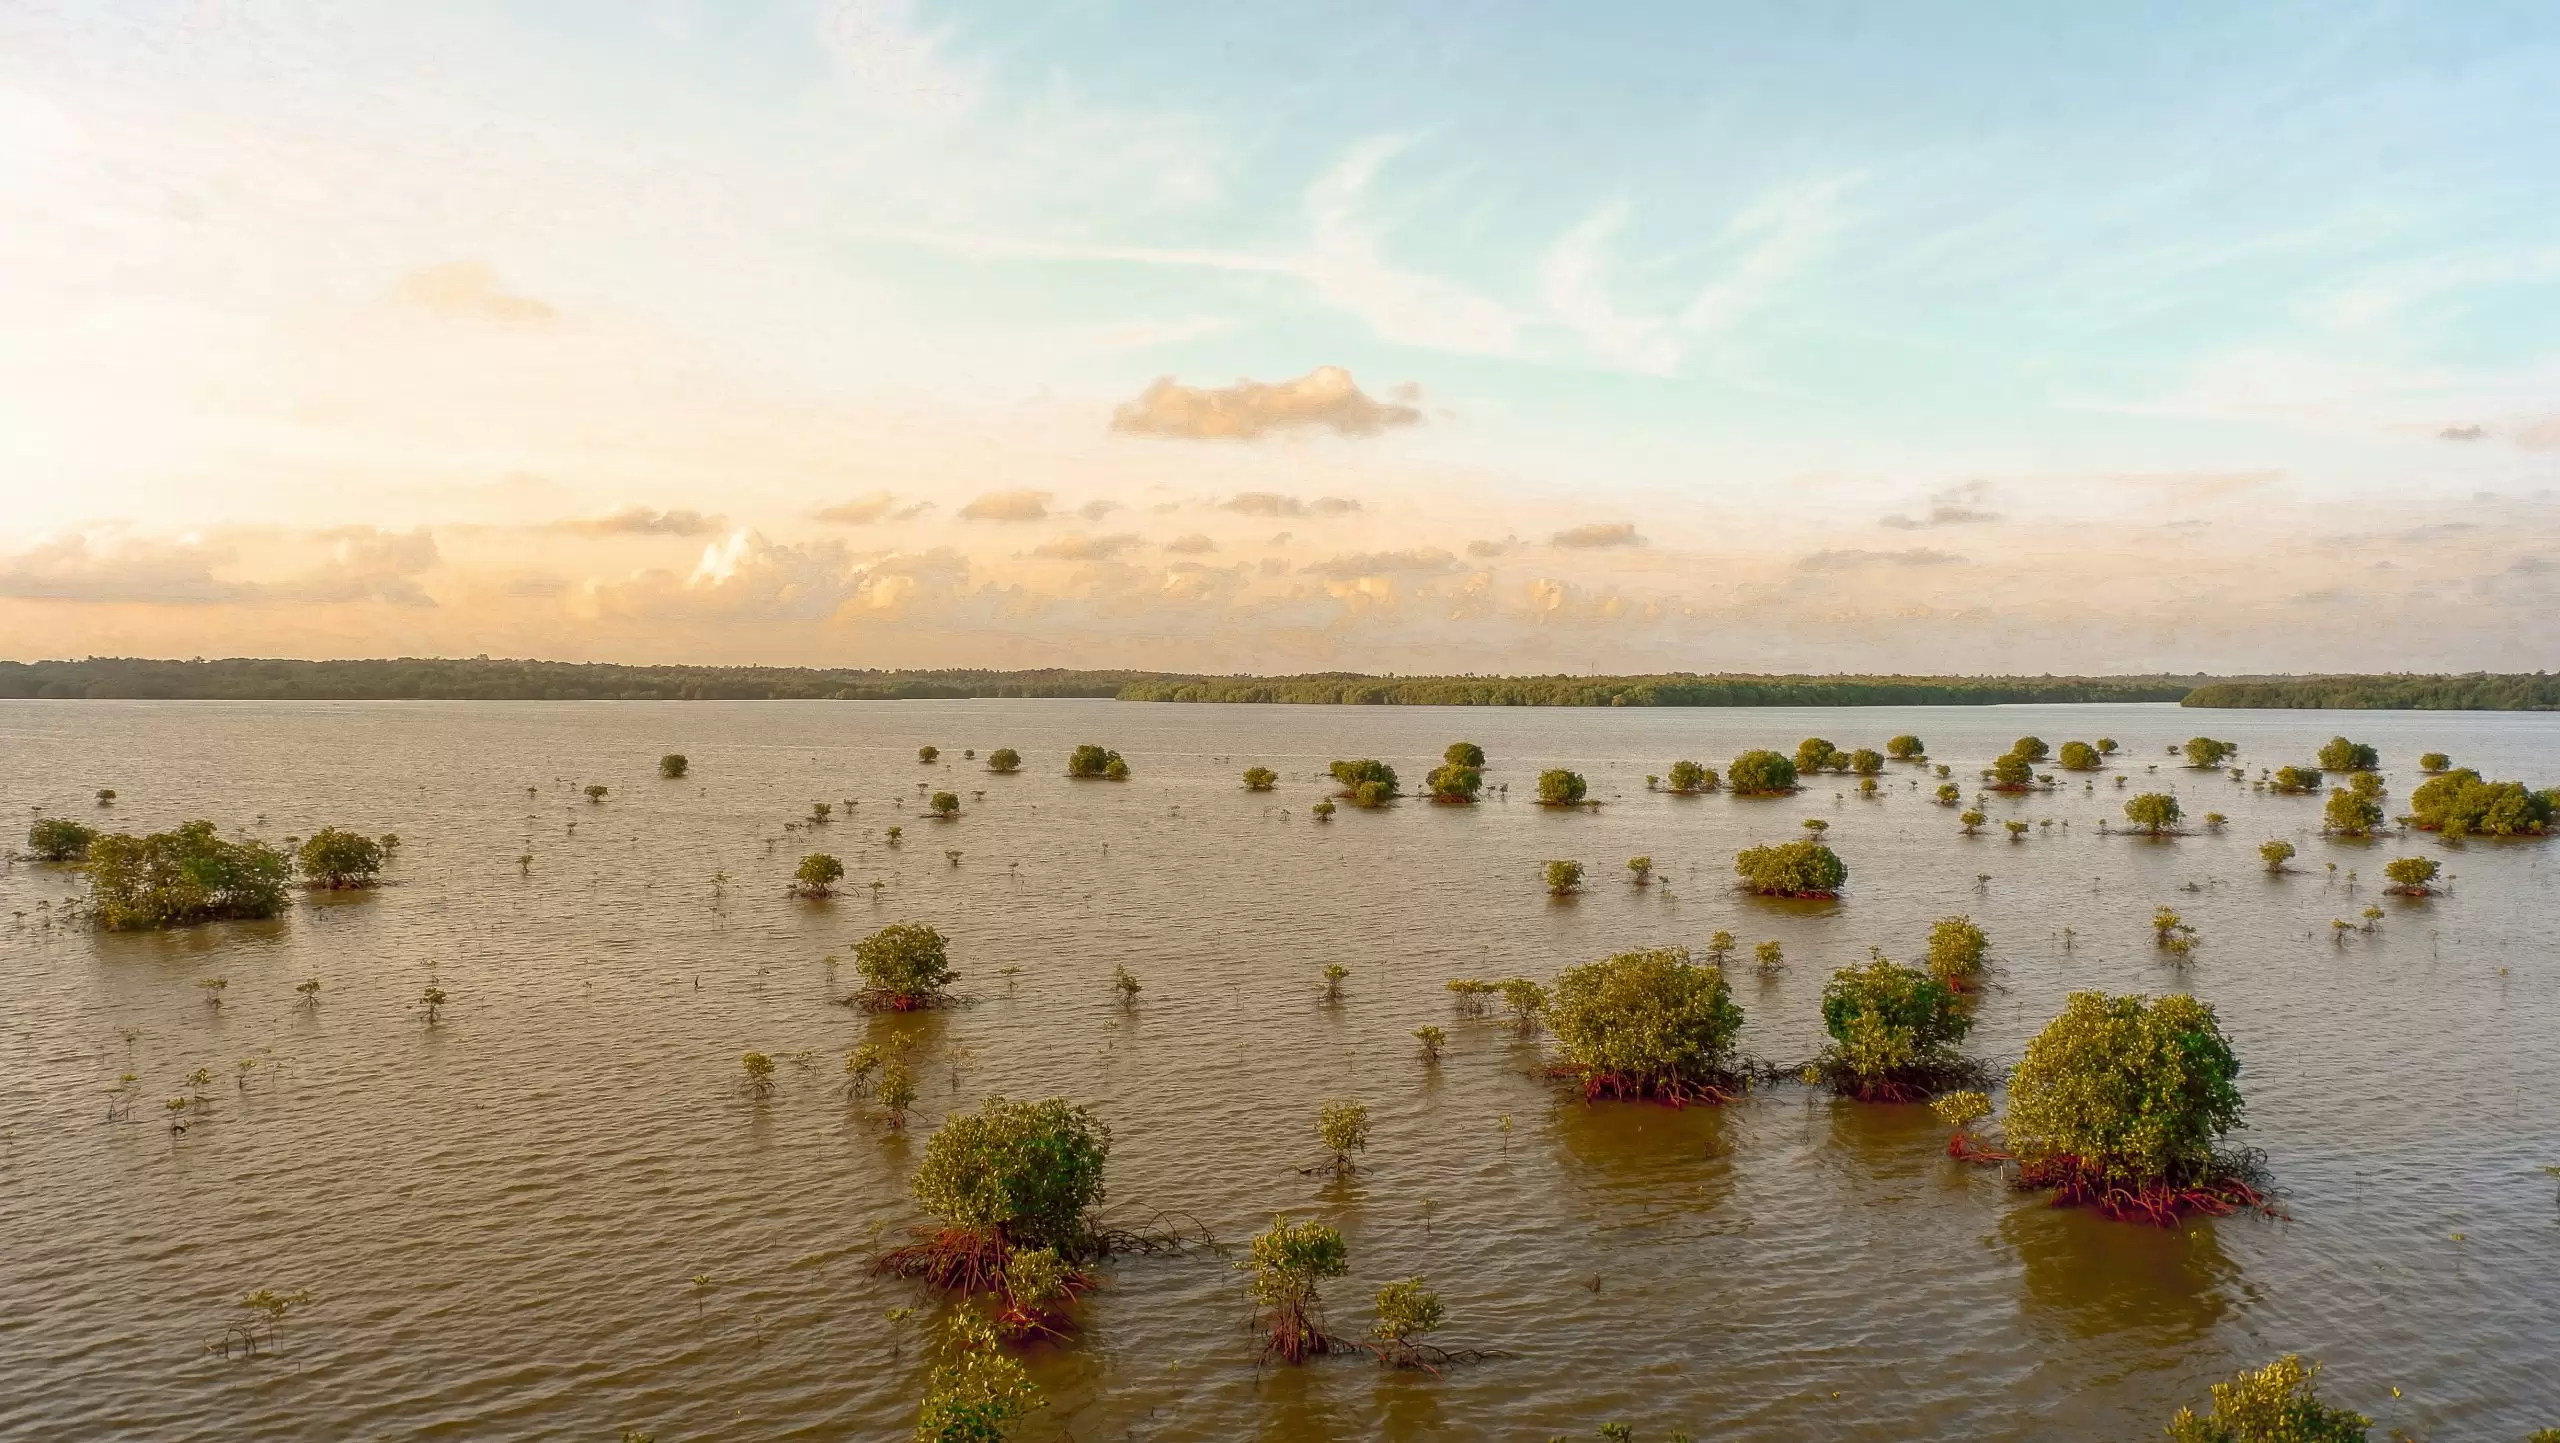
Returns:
<point x="498" y="1217"/>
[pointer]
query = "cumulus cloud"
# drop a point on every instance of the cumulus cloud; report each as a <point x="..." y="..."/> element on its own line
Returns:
<point x="1096" y="510"/>
<point x="1194" y="544"/>
<point x="1007" y="506"/>
<point x="1596" y="535"/>
<point x="877" y="507"/>
<point x="2472" y="432"/>
<point x="1085" y="548"/>
<point x="641" y="521"/>
<point x="1325" y="398"/>
<point x="1941" y="515"/>
<point x="1854" y="560"/>
<point x="364" y="564"/>
<point x="1353" y="566"/>
<point x="469" y="291"/>
<point x="1486" y="550"/>
<point x="1274" y="503"/>
<point x="66" y="569"/>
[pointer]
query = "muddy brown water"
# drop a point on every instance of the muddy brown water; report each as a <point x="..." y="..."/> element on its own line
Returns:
<point x="499" y="1217"/>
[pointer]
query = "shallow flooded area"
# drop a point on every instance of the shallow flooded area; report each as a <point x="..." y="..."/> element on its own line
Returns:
<point x="558" y="1212"/>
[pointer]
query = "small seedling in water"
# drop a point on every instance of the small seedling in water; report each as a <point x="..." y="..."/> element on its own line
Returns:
<point x="213" y="991"/>
<point x="1431" y="1038"/>
<point x="432" y="1001"/>
<point x="308" y="991"/>
<point x="1344" y="1129"/>
<point x="1125" y="983"/>
<point x="1769" y="956"/>
<point x="759" y="1070"/>
<point x="1334" y="972"/>
<point x="897" y="1091"/>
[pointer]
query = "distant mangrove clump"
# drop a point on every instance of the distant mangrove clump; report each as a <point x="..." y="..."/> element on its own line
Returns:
<point x="57" y="839"/>
<point x="904" y="966"/>
<point x="172" y="879"/>
<point x="2460" y="803"/>
<point x="1093" y="761"/>
<point x="1761" y="773"/>
<point x="337" y="859"/>
<point x="1894" y="1032"/>
<point x="1801" y="868"/>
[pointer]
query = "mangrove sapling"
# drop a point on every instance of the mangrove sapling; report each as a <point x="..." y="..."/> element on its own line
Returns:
<point x="1720" y="947"/>
<point x="2171" y="933"/>
<point x="1816" y="754"/>
<point x="2206" y="753"/>
<point x="1959" y="1111"/>
<point x="1455" y="783"/>
<point x="1334" y="972"/>
<point x="1287" y="1262"/>
<point x="1866" y="762"/>
<point x="524" y="864"/>
<point x="759" y="1070"/>
<point x="2215" y="821"/>
<point x="1260" y="779"/>
<point x="1343" y="1128"/>
<point x="2119" y="1103"/>
<point x="431" y="1002"/>
<point x="979" y="1393"/>
<point x="2294" y="781"/>
<point x="2012" y="773"/>
<point x="1366" y="782"/>
<point x="106" y="796"/>
<point x="821" y="813"/>
<point x="1004" y="759"/>
<point x="1322" y="811"/>
<point x="1815" y="826"/>
<point x="2274" y="1404"/>
<point x="175" y="878"/>
<point x="1688" y="778"/>
<point x="2017" y="830"/>
<point x="946" y="805"/>
<point x="2342" y="755"/>
<point x="2275" y="853"/>
<point x="817" y="875"/>
<point x="1957" y="949"/>
<point x="2156" y="813"/>
<point x="2352" y="811"/>
<point x="904" y="967"/>
<point x="2411" y="876"/>
<point x="1467" y="995"/>
<point x="897" y="1091"/>
<point x="1527" y="1001"/>
<point x="212" y="987"/>
<point x="1971" y="821"/>
<point x="2079" y="757"/>
<point x="1092" y="761"/>
<point x="1640" y="870"/>
<point x="1432" y="1040"/>
<point x="2433" y="763"/>
<point x="1949" y="794"/>
<point x="336" y="859"/>
<point x="1010" y="1177"/>
<point x="1804" y="868"/>
<point x="1894" y="1032"/>
<point x="1563" y="878"/>
<point x="673" y="766"/>
<point x="1769" y="958"/>
<point x="1124" y="982"/>
<point x="1560" y="788"/>
<point x="1648" y="1024"/>
<point x="860" y="1062"/>
<point x="596" y="792"/>
<point x="1761" y="773"/>
<point x="56" y="839"/>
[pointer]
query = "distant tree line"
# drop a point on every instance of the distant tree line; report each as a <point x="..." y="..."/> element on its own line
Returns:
<point x="1350" y="689"/>
<point x="482" y="679"/>
<point x="2478" y="691"/>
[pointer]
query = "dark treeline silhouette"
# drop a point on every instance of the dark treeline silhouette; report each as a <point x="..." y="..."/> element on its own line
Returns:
<point x="482" y="679"/>
<point x="2478" y="691"/>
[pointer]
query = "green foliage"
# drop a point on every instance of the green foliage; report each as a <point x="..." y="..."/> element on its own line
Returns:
<point x="2275" y="853"/>
<point x="1407" y="1310"/>
<point x="2080" y="757"/>
<point x="1972" y="821"/>
<point x="1563" y="877"/>
<point x="1761" y="773"/>
<point x="928" y="755"/>
<point x="597" y="791"/>
<point x="978" y="1394"/>
<point x="1648" y="1023"/>
<point x="1322" y="811"/>
<point x="1687" y="777"/>
<point x="1815" y="754"/>
<point x="2128" y="1091"/>
<point x="2296" y="779"/>
<point x="1343" y="1127"/>
<point x="1455" y="782"/>
<point x="2206" y="752"/>
<point x="1288" y="1260"/>
<point x="2433" y="762"/>
<point x="1642" y="867"/>
<point x="946" y="804"/>
<point x="1029" y="1172"/>
<point x="1527" y="1001"/>
<point x="2351" y="812"/>
<point x="1962" y="1109"/>
<point x="2342" y="755"/>
<point x="1464" y="754"/>
<point x="759" y="1069"/>
<point x="673" y="766"/>
<point x="1125" y="982"/>
<point x="1949" y="794"/>
<point x="57" y="840"/>
<point x="1560" y="788"/>
<point x="1894" y="1030"/>
<point x="1365" y="778"/>
<point x="904" y="964"/>
<point x="2032" y="748"/>
<point x="2011" y="770"/>
<point x="2275" y="1404"/>
<point x="2412" y="874"/>
<point x="1866" y="761"/>
<point x="1802" y="868"/>
<point x="1432" y="1040"/>
<point x="1956" y="951"/>
<point x="1004" y="759"/>
<point x="1905" y="748"/>
<point x="1260" y="779"/>
<point x="818" y="874"/>
<point x="170" y="879"/>
<point x="1093" y="761"/>
<point x="897" y="1090"/>
<point x="2459" y="804"/>
<point x="2106" y="746"/>
<point x="335" y="858"/>
<point x="2154" y="812"/>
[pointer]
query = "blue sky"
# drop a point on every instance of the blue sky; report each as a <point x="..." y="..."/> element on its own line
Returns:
<point x="2243" y="315"/>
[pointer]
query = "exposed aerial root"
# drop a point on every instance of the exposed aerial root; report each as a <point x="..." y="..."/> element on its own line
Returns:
<point x="2238" y="1182"/>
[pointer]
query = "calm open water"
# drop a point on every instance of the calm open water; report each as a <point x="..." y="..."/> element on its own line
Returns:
<point x="499" y="1217"/>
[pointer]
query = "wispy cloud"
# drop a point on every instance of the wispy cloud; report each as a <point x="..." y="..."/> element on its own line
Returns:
<point x="469" y="291"/>
<point x="870" y="510"/>
<point x="1855" y="560"/>
<point x="642" y="521"/>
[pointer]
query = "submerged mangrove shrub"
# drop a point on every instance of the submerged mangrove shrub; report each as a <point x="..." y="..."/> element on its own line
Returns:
<point x="2275" y="854"/>
<point x="170" y="879"/>
<point x="1647" y="1024"/>
<point x="2275" y="1404"/>
<point x="1866" y="761"/>
<point x="1949" y="794"/>
<point x="2032" y="748"/>
<point x="817" y="875"/>
<point x="1687" y="777"/>
<point x="1894" y="1032"/>
<point x="1366" y="782"/>
<point x="2206" y="752"/>
<point x="1260" y="779"/>
<point x="2012" y="772"/>
<point x="2154" y="812"/>
<point x="57" y="840"/>
<point x="2296" y="780"/>
<point x="946" y="804"/>
<point x="903" y="966"/>
<point x="1004" y="759"/>
<point x="1802" y="868"/>
<point x="2121" y="1101"/>
<point x="1018" y="1175"/>
<point x="1956" y="952"/>
<point x="1815" y="754"/>
<point x="2353" y="811"/>
<point x="928" y="755"/>
<point x="2342" y="755"/>
<point x="1464" y="754"/>
<point x="673" y="766"/>
<point x="1343" y="1128"/>
<point x="1564" y="878"/>
<point x="1905" y="748"/>
<point x="2459" y="804"/>
<point x="2434" y="762"/>
<point x="2412" y="876"/>
<point x="1287" y="1262"/>
<point x="1455" y="782"/>
<point x="1761" y="773"/>
<point x="336" y="859"/>
<point x="2079" y="757"/>
<point x="979" y="1393"/>
<point x="1093" y="761"/>
<point x="1407" y="1312"/>
<point x="1560" y="788"/>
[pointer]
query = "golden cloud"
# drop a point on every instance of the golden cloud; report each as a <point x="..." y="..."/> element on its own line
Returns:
<point x="1274" y="503"/>
<point x="1597" y="535"/>
<point x="641" y="521"/>
<point x="1085" y="548"/>
<point x="1325" y="398"/>
<point x="865" y="510"/>
<point x="1356" y="566"/>
<point x="1008" y="506"/>
<point x="468" y="291"/>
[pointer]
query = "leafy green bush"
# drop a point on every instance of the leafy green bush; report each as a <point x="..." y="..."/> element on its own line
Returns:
<point x="1949" y="794"/>
<point x="946" y="804"/>
<point x="2296" y="780"/>
<point x="2275" y="1404"/>
<point x="1287" y="1262"/>
<point x="1894" y="1032"/>
<point x="1647" y="1024"/>
<point x="2342" y="755"/>
<point x="2412" y="876"/>
<point x="1455" y="782"/>
<point x="2459" y="804"/>
<point x="1028" y="1173"/>
<point x="1688" y="777"/>
<point x="2124" y="1093"/>
<point x="1761" y="773"/>
<point x="2154" y="812"/>
<point x="1005" y="759"/>
<point x="2206" y="752"/>
<point x="1956" y="952"/>
<point x="1093" y="761"/>
<point x="903" y="966"/>
<point x="1803" y="868"/>
<point x="928" y="755"/>
<point x="2433" y="762"/>
<point x="1905" y="748"/>
<point x="2012" y="772"/>
<point x="2275" y="854"/>
<point x="338" y="859"/>
<point x="1464" y="754"/>
<point x="1260" y="779"/>
<point x="673" y="766"/>
<point x="2351" y="811"/>
<point x="2080" y="757"/>
<point x="1866" y="761"/>
<point x="57" y="840"/>
<point x="1560" y="788"/>
<point x="1407" y="1312"/>
<point x="817" y="875"/>
<point x="978" y="1393"/>
<point x="2032" y="748"/>
<point x="1815" y="754"/>
<point x="1366" y="772"/>
<point x="1563" y="877"/>
<point x="170" y="879"/>
<point x="1343" y="1128"/>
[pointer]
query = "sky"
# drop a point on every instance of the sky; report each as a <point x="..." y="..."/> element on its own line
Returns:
<point x="1379" y="337"/>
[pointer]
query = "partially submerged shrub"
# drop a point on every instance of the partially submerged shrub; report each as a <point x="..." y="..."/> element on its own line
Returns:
<point x="1464" y="754"/>
<point x="1322" y="811"/>
<point x="1866" y="762"/>
<point x="1004" y="759"/>
<point x="1802" y="868"/>
<point x="1956" y="951"/>
<point x="1816" y="754"/>
<point x="597" y="791"/>
<point x="2460" y="804"/>
<point x="1093" y="761"/>
<point x="55" y="839"/>
<point x="1432" y="1040"/>
<point x="2274" y="1404"/>
<point x="2294" y="781"/>
<point x="1761" y="773"/>
<point x="1009" y="1177"/>
<point x="1905" y="748"/>
<point x="1367" y="782"/>
<point x="673" y="766"/>
<point x="1455" y="782"/>
<point x="2352" y="811"/>
<point x="946" y="804"/>
<point x="1949" y="794"/>
<point x="759" y="1069"/>
<point x="2011" y="772"/>
<point x="1894" y="1032"/>
<point x="2079" y="757"/>
<point x="903" y="966"/>
<point x="1560" y="788"/>
<point x="1407" y="1312"/>
<point x="928" y="755"/>
<point x="2032" y="748"/>
<point x="2120" y="1102"/>
<point x="1641" y="868"/>
<point x="2154" y="812"/>
<point x="1564" y="878"/>
<point x="979" y="1393"/>
<point x="338" y="859"/>
<point x="1527" y="1001"/>
<point x="2434" y="762"/>
<point x="2208" y="753"/>
<point x="1343" y="1128"/>
<point x="1287" y="1263"/>
<point x="170" y="879"/>
<point x="817" y="875"/>
<point x="1689" y="777"/>
<point x="1260" y="779"/>
<point x="2412" y="876"/>
<point x="1647" y="1024"/>
<point x="2275" y="853"/>
<point x="1971" y="820"/>
<point x="2342" y="755"/>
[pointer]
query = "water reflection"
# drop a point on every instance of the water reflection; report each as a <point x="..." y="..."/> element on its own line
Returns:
<point x="1645" y="1154"/>
<point x="2098" y="1277"/>
<point x="1886" y="1139"/>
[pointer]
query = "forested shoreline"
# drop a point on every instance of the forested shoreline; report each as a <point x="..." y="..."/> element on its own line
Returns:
<point x="485" y="679"/>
